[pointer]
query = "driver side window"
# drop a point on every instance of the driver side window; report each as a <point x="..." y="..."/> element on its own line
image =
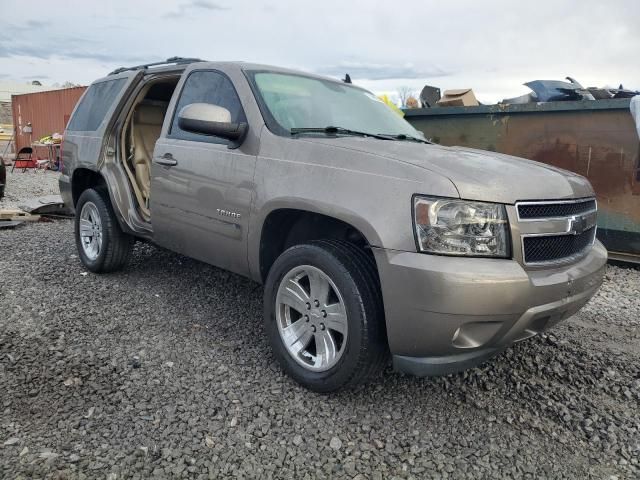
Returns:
<point x="204" y="86"/>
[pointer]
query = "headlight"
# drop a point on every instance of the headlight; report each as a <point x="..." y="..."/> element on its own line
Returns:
<point x="459" y="227"/>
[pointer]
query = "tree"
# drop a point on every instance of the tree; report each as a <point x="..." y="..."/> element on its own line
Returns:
<point x="403" y="94"/>
<point x="412" y="102"/>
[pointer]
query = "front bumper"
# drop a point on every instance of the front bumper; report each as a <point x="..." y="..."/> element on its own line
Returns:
<point x="446" y="314"/>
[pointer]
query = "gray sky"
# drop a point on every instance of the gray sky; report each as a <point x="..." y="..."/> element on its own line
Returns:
<point x="491" y="46"/>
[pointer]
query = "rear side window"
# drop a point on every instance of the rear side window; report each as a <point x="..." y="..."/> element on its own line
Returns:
<point x="207" y="87"/>
<point x="95" y="104"/>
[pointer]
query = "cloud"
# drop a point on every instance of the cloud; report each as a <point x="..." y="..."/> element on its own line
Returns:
<point x="376" y="71"/>
<point x="15" y="43"/>
<point x="380" y="52"/>
<point x="34" y="24"/>
<point x="65" y="47"/>
<point x="78" y="53"/>
<point x="35" y="77"/>
<point x="207" y="5"/>
<point x="187" y="7"/>
<point x="29" y="25"/>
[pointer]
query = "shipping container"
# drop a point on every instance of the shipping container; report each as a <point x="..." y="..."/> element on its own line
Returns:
<point x="597" y="139"/>
<point x="48" y="112"/>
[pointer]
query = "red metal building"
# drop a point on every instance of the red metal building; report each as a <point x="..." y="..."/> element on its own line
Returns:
<point x="48" y="112"/>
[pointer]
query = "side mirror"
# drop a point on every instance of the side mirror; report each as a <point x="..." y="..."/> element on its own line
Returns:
<point x="208" y="119"/>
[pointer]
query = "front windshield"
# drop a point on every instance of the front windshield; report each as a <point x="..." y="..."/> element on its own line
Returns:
<point x="296" y="101"/>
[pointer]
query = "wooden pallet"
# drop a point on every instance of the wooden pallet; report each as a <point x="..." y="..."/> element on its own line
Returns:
<point x="13" y="214"/>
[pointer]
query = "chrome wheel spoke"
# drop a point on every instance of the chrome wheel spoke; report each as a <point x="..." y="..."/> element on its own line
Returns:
<point x="319" y="286"/>
<point x="336" y="319"/>
<point x="297" y="336"/>
<point x="294" y="296"/>
<point x="326" y="350"/>
<point x="86" y="228"/>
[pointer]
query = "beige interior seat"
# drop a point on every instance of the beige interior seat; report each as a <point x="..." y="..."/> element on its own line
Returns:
<point x="147" y="123"/>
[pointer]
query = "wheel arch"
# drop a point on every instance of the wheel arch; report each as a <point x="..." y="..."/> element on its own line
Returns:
<point x="290" y="223"/>
<point x="82" y="179"/>
<point x="110" y="178"/>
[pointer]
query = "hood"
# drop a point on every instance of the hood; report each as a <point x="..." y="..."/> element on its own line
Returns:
<point x="477" y="174"/>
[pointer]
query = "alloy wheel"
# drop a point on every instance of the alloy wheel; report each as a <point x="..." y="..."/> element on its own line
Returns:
<point x="90" y="231"/>
<point x="311" y="318"/>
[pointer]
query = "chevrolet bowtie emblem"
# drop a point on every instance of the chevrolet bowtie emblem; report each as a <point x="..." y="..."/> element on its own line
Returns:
<point x="577" y="224"/>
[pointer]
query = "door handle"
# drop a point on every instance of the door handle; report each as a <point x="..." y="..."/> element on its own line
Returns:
<point x="167" y="160"/>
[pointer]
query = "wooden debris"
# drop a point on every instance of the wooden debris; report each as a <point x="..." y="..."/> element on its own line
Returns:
<point x="18" y="215"/>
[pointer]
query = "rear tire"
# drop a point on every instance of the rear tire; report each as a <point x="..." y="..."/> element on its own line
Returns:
<point x="3" y="177"/>
<point x="102" y="245"/>
<point x="307" y="340"/>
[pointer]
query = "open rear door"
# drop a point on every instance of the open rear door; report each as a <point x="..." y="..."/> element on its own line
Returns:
<point x="93" y="116"/>
<point x="86" y="135"/>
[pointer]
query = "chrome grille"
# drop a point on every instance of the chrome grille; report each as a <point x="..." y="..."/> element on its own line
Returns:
<point x="527" y="210"/>
<point x="551" y="248"/>
<point x="556" y="231"/>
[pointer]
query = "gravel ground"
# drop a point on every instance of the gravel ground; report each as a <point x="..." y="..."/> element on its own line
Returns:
<point x="163" y="371"/>
<point x="32" y="183"/>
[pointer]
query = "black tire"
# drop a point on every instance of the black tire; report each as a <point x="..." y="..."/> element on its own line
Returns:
<point x="116" y="245"/>
<point x="3" y="177"/>
<point x="354" y="274"/>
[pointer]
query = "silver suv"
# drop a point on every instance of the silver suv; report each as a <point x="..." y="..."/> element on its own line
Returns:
<point x="369" y="239"/>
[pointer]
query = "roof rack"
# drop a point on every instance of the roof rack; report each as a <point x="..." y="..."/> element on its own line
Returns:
<point x="172" y="60"/>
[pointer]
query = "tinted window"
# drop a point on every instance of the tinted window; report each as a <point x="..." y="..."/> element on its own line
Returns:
<point x="207" y="87"/>
<point x="95" y="104"/>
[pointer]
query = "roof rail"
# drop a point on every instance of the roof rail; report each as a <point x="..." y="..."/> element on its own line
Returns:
<point x="174" y="60"/>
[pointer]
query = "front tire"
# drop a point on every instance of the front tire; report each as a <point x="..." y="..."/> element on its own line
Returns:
<point x="102" y="245"/>
<point x="323" y="315"/>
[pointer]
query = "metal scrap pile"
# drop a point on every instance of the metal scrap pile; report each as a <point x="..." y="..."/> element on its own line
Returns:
<point x="571" y="90"/>
<point x="541" y="91"/>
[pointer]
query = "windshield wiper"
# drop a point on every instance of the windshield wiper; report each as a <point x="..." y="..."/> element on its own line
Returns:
<point x="331" y="130"/>
<point x="403" y="137"/>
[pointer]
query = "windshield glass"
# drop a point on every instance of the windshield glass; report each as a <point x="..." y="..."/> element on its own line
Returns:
<point x="296" y="101"/>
